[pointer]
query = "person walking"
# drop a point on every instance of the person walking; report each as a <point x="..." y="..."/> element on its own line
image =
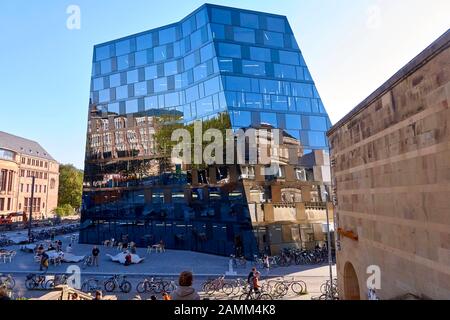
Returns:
<point x="95" y="253"/>
<point x="266" y="263"/>
<point x="185" y="291"/>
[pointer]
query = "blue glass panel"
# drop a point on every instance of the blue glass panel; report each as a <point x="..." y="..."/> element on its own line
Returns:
<point x="285" y="71"/>
<point x="315" y="105"/>
<point x="307" y="74"/>
<point x="123" y="47"/>
<point x="241" y="119"/>
<point x="160" y="53"/>
<point x="122" y="92"/>
<point x="318" y="123"/>
<point x="151" y="102"/>
<point x="132" y="76"/>
<point x="200" y="72"/>
<point x="102" y="53"/>
<point x="144" y="42"/>
<point x="249" y="20"/>
<point x="151" y="72"/>
<point x="226" y="64"/>
<point x="132" y="106"/>
<point x="294" y="133"/>
<point x="202" y="18"/>
<point x="167" y="35"/>
<point x="104" y="96"/>
<point x="238" y="83"/>
<point x="204" y="106"/>
<point x="123" y="62"/>
<point x="105" y="66"/>
<point x="171" y="68"/>
<point x="189" y="62"/>
<point x="160" y="84"/>
<point x="140" y="89"/>
<point x="273" y="39"/>
<point x="303" y="104"/>
<point x="140" y="58"/>
<point x="172" y="99"/>
<point x="289" y="57"/>
<point x="302" y="90"/>
<point x="230" y="50"/>
<point x="188" y="26"/>
<point x="279" y="102"/>
<point x="212" y="86"/>
<point x="293" y="121"/>
<point x="253" y="67"/>
<point x="221" y="16"/>
<point x="253" y="100"/>
<point x="207" y="52"/>
<point x="218" y="31"/>
<point x="317" y="139"/>
<point x="300" y="75"/>
<point x="192" y="94"/>
<point x="114" y="107"/>
<point x="114" y="80"/>
<point x="261" y="54"/>
<point x="98" y="84"/>
<point x="244" y="35"/>
<point x="269" y="118"/>
<point x="276" y="24"/>
<point x="274" y="87"/>
<point x="196" y="39"/>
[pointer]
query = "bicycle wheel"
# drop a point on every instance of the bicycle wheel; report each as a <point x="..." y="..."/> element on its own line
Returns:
<point x="265" y="296"/>
<point x="142" y="287"/>
<point x="90" y="285"/>
<point x="210" y="289"/>
<point x="9" y="284"/>
<point x="30" y="284"/>
<point x="281" y="289"/>
<point x="110" y="286"/>
<point x="297" y="288"/>
<point x="50" y="284"/>
<point x="245" y="296"/>
<point x="227" y="288"/>
<point x="125" y="286"/>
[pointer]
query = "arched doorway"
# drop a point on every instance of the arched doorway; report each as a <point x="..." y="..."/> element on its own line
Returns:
<point x="351" y="285"/>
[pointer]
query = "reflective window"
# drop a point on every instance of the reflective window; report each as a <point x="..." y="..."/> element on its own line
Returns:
<point x="140" y="58"/>
<point x="188" y="26"/>
<point x="302" y="90"/>
<point x="167" y="36"/>
<point x="294" y="133"/>
<point x="318" y="123"/>
<point x="114" y="80"/>
<point x="279" y="102"/>
<point x="221" y="16"/>
<point x="189" y="62"/>
<point x="200" y="72"/>
<point x="269" y="118"/>
<point x="285" y="71"/>
<point x="122" y="92"/>
<point x="276" y="24"/>
<point x="253" y="67"/>
<point x="102" y="53"/>
<point x="238" y="84"/>
<point x="241" y="119"/>
<point x="204" y="106"/>
<point x="105" y="66"/>
<point x="274" y="87"/>
<point x="171" y="68"/>
<point x="273" y="39"/>
<point x="303" y="104"/>
<point x="140" y="89"/>
<point x="249" y="20"/>
<point x="229" y="50"/>
<point x="207" y="52"/>
<point x="160" y="84"/>
<point x="103" y="96"/>
<point x="261" y="54"/>
<point x="123" y="62"/>
<point x="226" y="64"/>
<point x="144" y="42"/>
<point x="288" y="57"/>
<point x="218" y="31"/>
<point x="132" y="76"/>
<point x="98" y="84"/>
<point x="244" y="35"/>
<point x="317" y="139"/>
<point x="123" y="47"/>
<point x="151" y="102"/>
<point x="212" y="86"/>
<point x="293" y="121"/>
<point x="192" y="94"/>
<point x="114" y="107"/>
<point x="172" y="99"/>
<point x="202" y="18"/>
<point x="132" y="106"/>
<point x="300" y="74"/>
<point x="253" y="100"/>
<point x="151" y="72"/>
<point x="160" y="53"/>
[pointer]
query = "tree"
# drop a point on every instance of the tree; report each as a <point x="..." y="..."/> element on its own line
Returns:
<point x="70" y="186"/>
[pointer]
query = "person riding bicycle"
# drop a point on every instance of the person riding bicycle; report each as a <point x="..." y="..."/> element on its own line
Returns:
<point x="256" y="284"/>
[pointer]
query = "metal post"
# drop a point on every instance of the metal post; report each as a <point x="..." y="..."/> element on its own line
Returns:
<point x="330" y="259"/>
<point x="31" y="208"/>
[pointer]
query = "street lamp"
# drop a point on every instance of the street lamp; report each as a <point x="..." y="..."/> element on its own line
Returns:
<point x="330" y="259"/>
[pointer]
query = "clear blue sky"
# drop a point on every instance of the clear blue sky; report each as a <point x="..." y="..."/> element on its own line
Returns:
<point x="351" y="47"/>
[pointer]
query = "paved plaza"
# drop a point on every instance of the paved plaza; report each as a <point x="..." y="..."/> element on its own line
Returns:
<point x="168" y="265"/>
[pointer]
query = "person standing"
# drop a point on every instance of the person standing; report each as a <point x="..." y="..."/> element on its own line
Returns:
<point x="44" y="262"/>
<point x="95" y="253"/>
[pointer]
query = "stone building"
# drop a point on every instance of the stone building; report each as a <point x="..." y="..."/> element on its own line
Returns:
<point x="390" y="161"/>
<point x="20" y="160"/>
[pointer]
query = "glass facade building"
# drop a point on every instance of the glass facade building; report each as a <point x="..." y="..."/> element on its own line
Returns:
<point x="227" y="67"/>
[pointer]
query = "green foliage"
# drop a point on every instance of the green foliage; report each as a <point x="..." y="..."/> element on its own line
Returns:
<point x="64" y="210"/>
<point x="70" y="186"/>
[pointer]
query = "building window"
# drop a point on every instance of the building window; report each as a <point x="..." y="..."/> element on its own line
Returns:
<point x="28" y="161"/>
<point x="52" y="184"/>
<point x="23" y="160"/>
<point x="9" y="204"/>
<point x="45" y="189"/>
<point x="3" y="180"/>
<point x="2" y="204"/>
<point x="21" y="187"/>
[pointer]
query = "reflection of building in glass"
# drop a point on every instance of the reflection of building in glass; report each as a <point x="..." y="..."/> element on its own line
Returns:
<point x="20" y="160"/>
<point x="228" y="68"/>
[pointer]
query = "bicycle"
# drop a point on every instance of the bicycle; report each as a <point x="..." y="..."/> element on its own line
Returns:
<point x="88" y="261"/>
<point x="33" y="281"/>
<point x="91" y="285"/>
<point x="7" y="282"/>
<point x="149" y="286"/>
<point x="112" y="283"/>
<point x="329" y="290"/>
<point x="57" y="281"/>
<point x="256" y="295"/>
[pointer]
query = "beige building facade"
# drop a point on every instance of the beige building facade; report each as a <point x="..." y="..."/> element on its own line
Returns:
<point x="20" y="160"/>
<point x="390" y="160"/>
